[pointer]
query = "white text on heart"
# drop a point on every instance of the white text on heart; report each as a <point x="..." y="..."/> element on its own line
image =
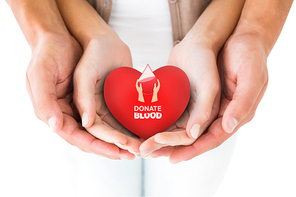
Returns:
<point x="147" y="112"/>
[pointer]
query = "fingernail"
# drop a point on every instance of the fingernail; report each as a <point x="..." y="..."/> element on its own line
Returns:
<point x="146" y="155"/>
<point x="120" y="145"/>
<point x="176" y="161"/>
<point x="136" y="154"/>
<point x="52" y="122"/>
<point x="123" y="158"/>
<point x="154" y="156"/>
<point x="195" y="130"/>
<point x="232" y="123"/>
<point x="84" y="119"/>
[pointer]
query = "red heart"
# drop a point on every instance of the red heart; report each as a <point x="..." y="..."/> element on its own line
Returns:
<point x="147" y="118"/>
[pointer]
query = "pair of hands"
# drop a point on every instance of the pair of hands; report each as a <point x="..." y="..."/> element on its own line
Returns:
<point x="217" y="107"/>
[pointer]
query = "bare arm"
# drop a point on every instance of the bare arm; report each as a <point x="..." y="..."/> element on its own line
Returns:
<point x="197" y="55"/>
<point x="244" y="75"/>
<point x="83" y="21"/>
<point x="216" y="24"/>
<point x="103" y="52"/>
<point x="265" y="19"/>
<point x="37" y="18"/>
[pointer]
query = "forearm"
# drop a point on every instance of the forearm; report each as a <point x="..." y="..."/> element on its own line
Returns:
<point x="83" y="21"/>
<point x="216" y="23"/>
<point x="37" y="18"/>
<point x="265" y="19"/>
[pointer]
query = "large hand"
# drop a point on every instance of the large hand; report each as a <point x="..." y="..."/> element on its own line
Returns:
<point x="243" y="70"/>
<point x="49" y="83"/>
<point x="100" y="57"/>
<point x="49" y="76"/>
<point x="199" y="63"/>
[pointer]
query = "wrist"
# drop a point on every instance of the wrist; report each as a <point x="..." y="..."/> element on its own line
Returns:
<point x="264" y="22"/>
<point x="38" y="19"/>
<point x="202" y="40"/>
<point x="96" y="35"/>
<point x="258" y="32"/>
<point x="216" y="24"/>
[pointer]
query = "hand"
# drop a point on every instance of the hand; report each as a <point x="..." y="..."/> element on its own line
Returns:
<point x="244" y="75"/>
<point x="49" y="76"/>
<point x="49" y="83"/>
<point x="101" y="56"/>
<point x="199" y="63"/>
<point x="155" y="91"/>
<point x="140" y="91"/>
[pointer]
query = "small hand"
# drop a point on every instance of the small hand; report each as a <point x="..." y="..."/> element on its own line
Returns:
<point x="199" y="63"/>
<point x="244" y="75"/>
<point x="155" y="91"/>
<point x="100" y="58"/>
<point x="140" y="91"/>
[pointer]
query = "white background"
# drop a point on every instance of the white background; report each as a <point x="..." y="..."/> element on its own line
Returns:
<point x="264" y="159"/>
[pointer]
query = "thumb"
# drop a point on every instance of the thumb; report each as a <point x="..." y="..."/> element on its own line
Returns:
<point x="244" y="100"/>
<point x="84" y="95"/>
<point x="202" y="112"/>
<point x="42" y="91"/>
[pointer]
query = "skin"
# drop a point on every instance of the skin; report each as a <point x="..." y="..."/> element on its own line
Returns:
<point x="243" y="72"/>
<point x="103" y="52"/>
<point x="55" y="54"/>
<point x="238" y="74"/>
<point x="196" y="55"/>
<point x="202" y="41"/>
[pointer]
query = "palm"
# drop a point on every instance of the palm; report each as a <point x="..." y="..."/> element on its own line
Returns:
<point x="243" y="73"/>
<point x="50" y="71"/>
<point x="100" y="58"/>
<point x="200" y="66"/>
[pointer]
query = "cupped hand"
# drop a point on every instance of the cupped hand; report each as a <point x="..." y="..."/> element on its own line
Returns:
<point x="49" y="83"/>
<point x="101" y="56"/>
<point x="199" y="63"/>
<point x="243" y="71"/>
<point x="49" y="76"/>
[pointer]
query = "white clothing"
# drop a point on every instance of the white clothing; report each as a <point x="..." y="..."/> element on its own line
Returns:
<point x="45" y="165"/>
<point x="145" y="26"/>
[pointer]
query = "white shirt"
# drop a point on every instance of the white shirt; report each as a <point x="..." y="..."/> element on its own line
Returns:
<point x="145" y="26"/>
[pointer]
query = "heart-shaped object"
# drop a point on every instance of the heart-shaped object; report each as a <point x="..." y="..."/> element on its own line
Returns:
<point x="147" y="103"/>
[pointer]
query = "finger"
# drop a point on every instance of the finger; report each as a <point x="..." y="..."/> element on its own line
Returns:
<point x="164" y="139"/>
<point x="84" y="140"/>
<point x="42" y="90"/>
<point x="124" y="154"/>
<point x="163" y="152"/>
<point x="203" y="110"/>
<point x="173" y="138"/>
<point x="84" y="93"/>
<point x="106" y="133"/>
<point x="148" y="146"/>
<point x="133" y="142"/>
<point x="245" y="96"/>
<point x="250" y="116"/>
<point x="213" y="138"/>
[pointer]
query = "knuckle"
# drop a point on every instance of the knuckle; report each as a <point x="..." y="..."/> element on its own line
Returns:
<point x="217" y="144"/>
<point x="82" y="149"/>
<point x="217" y="141"/>
<point x="216" y="87"/>
<point x="250" y="116"/>
<point x="206" y="114"/>
<point x="247" y="107"/>
<point x="70" y="140"/>
<point x="37" y="114"/>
